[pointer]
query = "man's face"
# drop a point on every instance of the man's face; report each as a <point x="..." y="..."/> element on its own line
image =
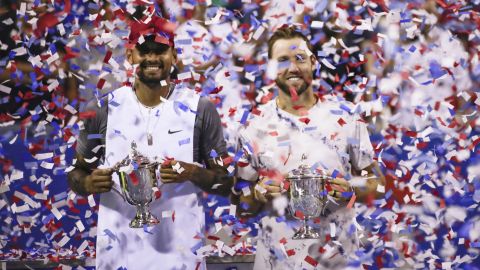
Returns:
<point x="295" y="67"/>
<point x="155" y="61"/>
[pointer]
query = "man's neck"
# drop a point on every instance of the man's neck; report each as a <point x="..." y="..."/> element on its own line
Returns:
<point x="149" y="95"/>
<point x="304" y="102"/>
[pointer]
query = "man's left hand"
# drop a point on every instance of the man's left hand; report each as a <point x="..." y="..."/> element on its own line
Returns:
<point x="176" y="171"/>
<point x="339" y="186"/>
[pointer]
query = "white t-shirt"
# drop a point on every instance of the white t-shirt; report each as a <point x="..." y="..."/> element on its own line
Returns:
<point x="333" y="140"/>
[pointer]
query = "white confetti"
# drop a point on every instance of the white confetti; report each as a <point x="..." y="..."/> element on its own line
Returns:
<point x="46" y="165"/>
<point x="184" y="76"/>
<point x="91" y="201"/>
<point x="258" y="32"/>
<point x="317" y="24"/>
<point x="64" y="241"/>
<point x="327" y="64"/>
<point x="246" y="191"/>
<point x="80" y="225"/>
<point x="333" y="230"/>
<point x="5" y="89"/>
<point x="53" y="85"/>
<point x="56" y="213"/>
<point x="43" y="156"/>
<point x="82" y="247"/>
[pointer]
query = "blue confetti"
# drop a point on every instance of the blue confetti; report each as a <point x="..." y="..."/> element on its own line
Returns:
<point x="110" y="234"/>
<point x="345" y="107"/>
<point x="436" y="70"/>
<point x="243" y="120"/>
<point x="213" y="153"/>
<point x="94" y="136"/>
<point x="184" y="141"/>
<point x="336" y="112"/>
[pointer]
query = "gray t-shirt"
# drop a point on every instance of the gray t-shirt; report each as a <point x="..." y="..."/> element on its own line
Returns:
<point x="207" y="134"/>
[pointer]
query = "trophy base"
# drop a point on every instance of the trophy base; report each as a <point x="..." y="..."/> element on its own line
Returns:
<point x="306" y="232"/>
<point x="142" y="219"/>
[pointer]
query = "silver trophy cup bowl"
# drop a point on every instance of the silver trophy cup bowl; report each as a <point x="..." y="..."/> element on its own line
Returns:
<point x="307" y="198"/>
<point x="137" y="179"/>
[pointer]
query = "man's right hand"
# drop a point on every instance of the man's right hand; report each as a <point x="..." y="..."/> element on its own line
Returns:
<point x="267" y="189"/>
<point x="99" y="181"/>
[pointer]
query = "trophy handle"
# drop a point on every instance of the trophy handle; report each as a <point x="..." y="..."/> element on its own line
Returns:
<point x="116" y="169"/>
<point x="115" y="190"/>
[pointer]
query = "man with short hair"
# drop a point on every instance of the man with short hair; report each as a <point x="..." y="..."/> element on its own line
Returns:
<point x="167" y="121"/>
<point x="323" y="132"/>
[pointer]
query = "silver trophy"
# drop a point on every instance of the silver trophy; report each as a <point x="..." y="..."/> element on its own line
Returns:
<point x="308" y="197"/>
<point x="137" y="179"/>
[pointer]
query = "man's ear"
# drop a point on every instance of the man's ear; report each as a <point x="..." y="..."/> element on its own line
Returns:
<point x="129" y="54"/>
<point x="314" y="61"/>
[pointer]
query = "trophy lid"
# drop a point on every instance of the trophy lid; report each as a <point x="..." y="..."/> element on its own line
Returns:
<point x="303" y="172"/>
<point x="134" y="157"/>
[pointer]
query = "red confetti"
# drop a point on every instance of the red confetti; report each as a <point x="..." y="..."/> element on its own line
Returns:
<point x="100" y="83"/>
<point x="341" y="122"/>
<point x="286" y="185"/>
<point x="293" y="94"/>
<point x="422" y="145"/>
<point x="311" y="261"/>
<point x="107" y="57"/>
<point x="299" y="214"/>
<point x="134" y="178"/>
<point x="290" y="252"/>
<point x="231" y="111"/>
<point x="411" y="134"/>
<point x="256" y="111"/>
<point x="305" y="120"/>
<point x="227" y="160"/>
<point x="213" y="237"/>
<point x="87" y="115"/>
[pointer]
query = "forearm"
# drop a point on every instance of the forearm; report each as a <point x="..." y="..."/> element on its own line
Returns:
<point x="76" y="181"/>
<point x="214" y="181"/>
<point x="369" y="191"/>
<point x="247" y="205"/>
<point x="371" y="188"/>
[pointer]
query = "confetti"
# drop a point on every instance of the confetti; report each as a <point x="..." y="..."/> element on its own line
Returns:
<point x="417" y="91"/>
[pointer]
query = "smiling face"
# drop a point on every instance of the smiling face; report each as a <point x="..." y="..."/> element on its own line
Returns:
<point x="295" y="67"/>
<point x="155" y="61"/>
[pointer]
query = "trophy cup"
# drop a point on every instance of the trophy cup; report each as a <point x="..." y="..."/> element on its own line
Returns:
<point x="308" y="196"/>
<point x="137" y="178"/>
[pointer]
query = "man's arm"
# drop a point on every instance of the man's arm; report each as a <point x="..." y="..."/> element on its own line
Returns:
<point x="259" y="193"/>
<point x="250" y="193"/>
<point x="214" y="179"/>
<point x="208" y="136"/>
<point x="85" y="180"/>
<point x="374" y="178"/>
<point x="364" y="191"/>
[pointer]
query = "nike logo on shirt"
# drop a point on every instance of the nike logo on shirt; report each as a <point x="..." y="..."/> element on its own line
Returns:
<point x="174" y="131"/>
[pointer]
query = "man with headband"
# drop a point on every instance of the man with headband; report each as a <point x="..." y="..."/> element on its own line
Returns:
<point x="166" y="121"/>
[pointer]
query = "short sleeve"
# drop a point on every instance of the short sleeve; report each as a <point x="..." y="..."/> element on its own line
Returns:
<point x="93" y="134"/>
<point x="247" y="164"/>
<point x="359" y="145"/>
<point x="208" y="125"/>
